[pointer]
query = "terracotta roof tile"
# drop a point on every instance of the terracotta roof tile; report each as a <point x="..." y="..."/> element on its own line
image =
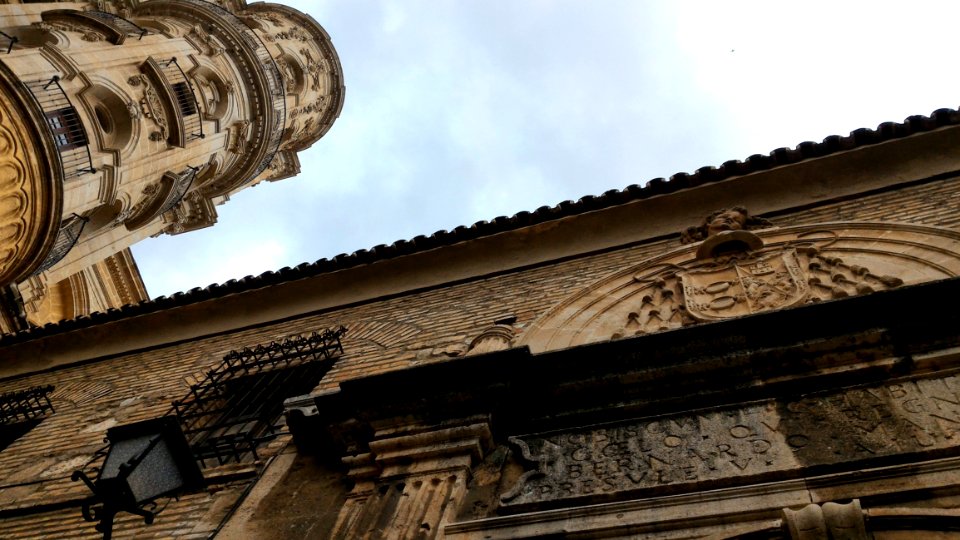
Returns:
<point x="658" y="186"/>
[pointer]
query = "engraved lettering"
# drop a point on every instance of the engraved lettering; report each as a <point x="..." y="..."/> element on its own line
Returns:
<point x="742" y="442"/>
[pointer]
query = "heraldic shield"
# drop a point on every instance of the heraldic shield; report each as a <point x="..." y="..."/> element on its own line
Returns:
<point x="742" y="286"/>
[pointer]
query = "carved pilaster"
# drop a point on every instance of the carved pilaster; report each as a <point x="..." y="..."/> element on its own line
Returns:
<point x="412" y="480"/>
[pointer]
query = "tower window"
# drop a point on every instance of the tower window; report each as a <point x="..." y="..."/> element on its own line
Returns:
<point x="184" y="98"/>
<point x="67" y="129"/>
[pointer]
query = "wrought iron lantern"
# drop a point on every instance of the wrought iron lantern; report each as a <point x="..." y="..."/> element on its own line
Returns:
<point x="146" y="460"/>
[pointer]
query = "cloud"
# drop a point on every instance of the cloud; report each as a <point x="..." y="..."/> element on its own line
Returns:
<point x="457" y="112"/>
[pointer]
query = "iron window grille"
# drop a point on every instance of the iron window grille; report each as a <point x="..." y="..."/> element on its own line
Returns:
<point x="21" y="411"/>
<point x="237" y="406"/>
<point x="65" y="125"/>
<point x="67" y="238"/>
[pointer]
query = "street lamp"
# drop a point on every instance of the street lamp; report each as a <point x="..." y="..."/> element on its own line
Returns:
<point x="146" y="460"/>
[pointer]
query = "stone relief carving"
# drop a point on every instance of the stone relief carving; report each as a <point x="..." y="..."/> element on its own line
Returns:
<point x="86" y="33"/>
<point x="266" y="16"/>
<point x="316" y="107"/>
<point x="735" y="272"/>
<point x="152" y="107"/>
<point x="832" y="520"/>
<point x="296" y="33"/>
<point x="194" y="211"/>
<point x="726" y="219"/>
<point x="498" y="337"/>
<point x="15" y="199"/>
<point x="240" y="132"/>
<point x="775" y="435"/>
<point x="207" y="43"/>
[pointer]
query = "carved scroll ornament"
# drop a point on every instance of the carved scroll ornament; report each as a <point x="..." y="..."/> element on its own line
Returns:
<point x="737" y="272"/>
<point x="29" y="205"/>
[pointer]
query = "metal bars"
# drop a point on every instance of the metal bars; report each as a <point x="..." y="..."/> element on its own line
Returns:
<point x="66" y="239"/>
<point x="65" y="126"/>
<point x="12" y="40"/>
<point x="119" y="23"/>
<point x="25" y="405"/>
<point x="186" y="99"/>
<point x="180" y="188"/>
<point x="235" y="407"/>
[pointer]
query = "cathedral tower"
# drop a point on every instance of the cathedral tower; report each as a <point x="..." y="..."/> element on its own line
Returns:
<point x="125" y="119"/>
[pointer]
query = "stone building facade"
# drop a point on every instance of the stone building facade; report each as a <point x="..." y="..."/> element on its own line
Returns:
<point x="129" y="119"/>
<point x="761" y="350"/>
<point x="766" y="349"/>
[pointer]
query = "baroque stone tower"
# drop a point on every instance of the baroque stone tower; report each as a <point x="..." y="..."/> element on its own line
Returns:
<point x="125" y="119"/>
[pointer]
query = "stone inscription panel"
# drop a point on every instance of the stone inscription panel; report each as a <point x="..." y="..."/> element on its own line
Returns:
<point x="770" y="436"/>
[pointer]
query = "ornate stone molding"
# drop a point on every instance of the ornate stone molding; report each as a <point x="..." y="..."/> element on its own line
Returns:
<point x="831" y="520"/>
<point x="741" y="444"/>
<point x="764" y="270"/>
<point x="195" y="211"/>
<point x="412" y="480"/>
<point x="31" y="188"/>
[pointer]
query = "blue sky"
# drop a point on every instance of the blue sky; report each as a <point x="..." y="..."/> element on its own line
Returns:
<point x="460" y="111"/>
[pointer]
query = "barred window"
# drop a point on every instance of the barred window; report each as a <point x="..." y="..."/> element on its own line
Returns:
<point x="66" y="128"/>
<point x="238" y="406"/>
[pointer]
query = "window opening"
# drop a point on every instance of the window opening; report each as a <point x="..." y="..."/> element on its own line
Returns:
<point x="65" y="126"/>
<point x="67" y="129"/>
<point x="184" y="98"/>
<point x="238" y="406"/>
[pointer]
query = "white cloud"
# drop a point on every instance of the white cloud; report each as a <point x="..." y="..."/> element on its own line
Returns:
<point x="462" y="111"/>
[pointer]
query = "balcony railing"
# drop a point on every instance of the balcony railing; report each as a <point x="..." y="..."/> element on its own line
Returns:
<point x="65" y="127"/>
<point x="10" y="40"/>
<point x="180" y="187"/>
<point x="115" y="29"/>
<point x="123" y="25"/>
<point x="185" y="97"/>
<point x="67" y="238"/>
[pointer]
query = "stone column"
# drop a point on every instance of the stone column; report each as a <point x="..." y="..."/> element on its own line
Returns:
<point x="412" y="481"/>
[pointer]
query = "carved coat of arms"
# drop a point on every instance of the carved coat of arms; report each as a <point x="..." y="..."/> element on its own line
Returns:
<point x="740" y="286"/>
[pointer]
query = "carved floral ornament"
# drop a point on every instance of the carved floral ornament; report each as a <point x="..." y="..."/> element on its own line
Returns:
<point x="733" y="271"/>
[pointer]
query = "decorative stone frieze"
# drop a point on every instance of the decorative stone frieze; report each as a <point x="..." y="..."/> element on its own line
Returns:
<point x="734" y="273"/>
<point x="498" y="337"/>
<point x="776" y="436"/>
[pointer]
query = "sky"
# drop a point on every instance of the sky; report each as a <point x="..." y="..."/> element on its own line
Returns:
<point x="458" y="111"/>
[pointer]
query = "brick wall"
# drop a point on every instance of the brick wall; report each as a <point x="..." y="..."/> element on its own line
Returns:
<point x="390" y="334"/>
